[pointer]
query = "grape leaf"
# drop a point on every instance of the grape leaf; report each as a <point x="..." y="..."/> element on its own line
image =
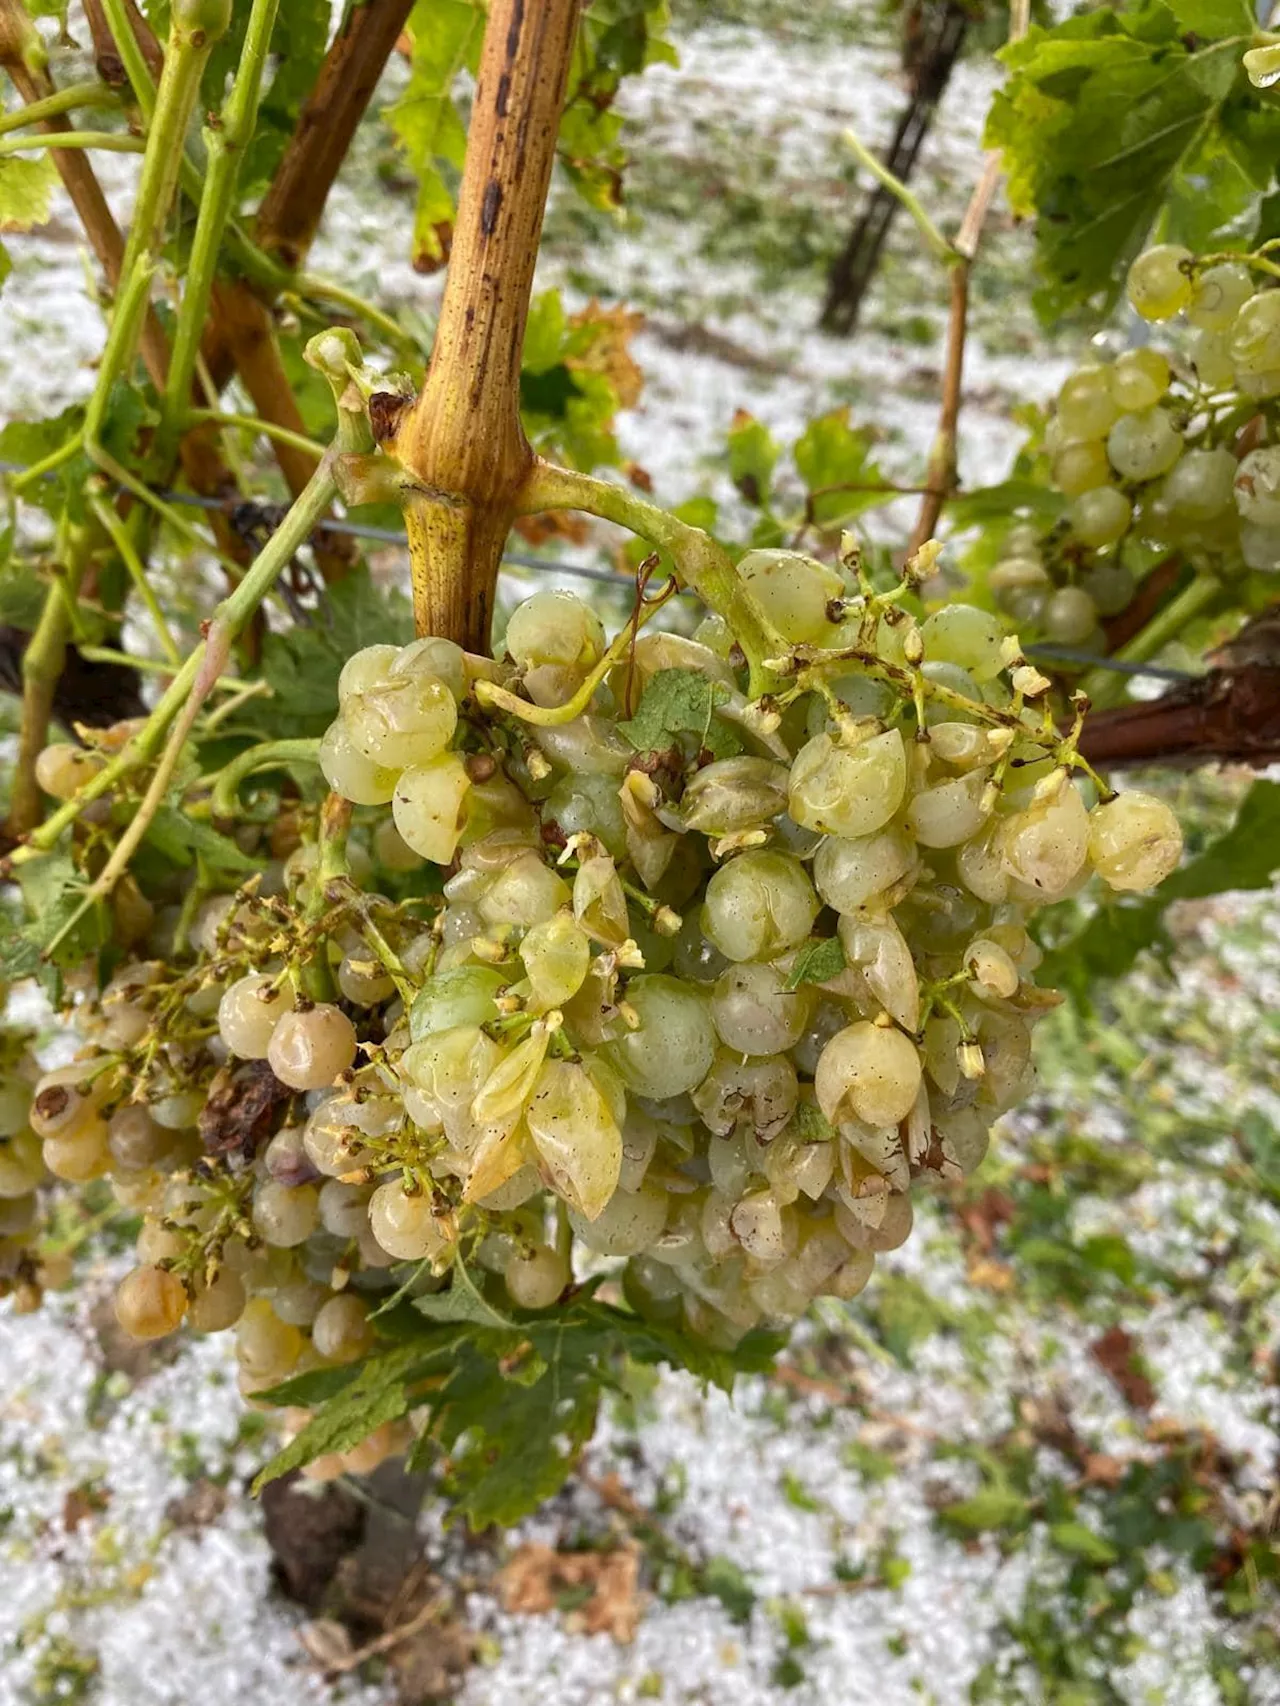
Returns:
<point x="511" y="1402"/>
<point x="180" y="838"/>
<point x="52" y="893"/>
<point x="382" y="1389"/>
<point x="752" y="457"/>
<point x="679" y="702"/>
<point x="817" y="962"/>
<point x="463" y="1301"/>
<point x="26" y="190"/>
<point x="810" y="1125"/>
<point x="446" y="37"/>
<point x="831" y="453"/>
<point x="1246" y="856"/>
<point x="1107" y="115"/>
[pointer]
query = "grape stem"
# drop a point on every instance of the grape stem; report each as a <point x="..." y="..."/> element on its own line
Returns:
<point x="1103" y="688"/>
<point x="268" y="755"/>
<point x="42" y="663"/>
<point x="61" y="101"/>
<point x="941" y="248"/>
<point x="226" y="142"/>
<point x="200" y="673"/>
<point x="106" y="141"/>
<point x="701" y="563"/>
<point x="942" y="471"/>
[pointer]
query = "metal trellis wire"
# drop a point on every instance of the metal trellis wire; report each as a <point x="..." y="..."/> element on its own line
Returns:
<point x="610" y="577"/>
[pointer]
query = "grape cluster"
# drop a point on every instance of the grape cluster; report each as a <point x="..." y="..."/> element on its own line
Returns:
<point x="700" y="1006"/>
<point x="1157" y="449"/>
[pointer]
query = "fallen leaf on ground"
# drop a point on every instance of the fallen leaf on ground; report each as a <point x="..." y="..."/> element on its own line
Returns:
<point x="538" y="1579"/>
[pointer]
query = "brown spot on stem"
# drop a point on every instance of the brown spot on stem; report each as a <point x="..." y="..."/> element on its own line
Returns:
<point x="489" y="207"/>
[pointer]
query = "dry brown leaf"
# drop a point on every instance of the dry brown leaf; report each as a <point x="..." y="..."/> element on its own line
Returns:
<point x="536" y="1576"/>
<point x="1116" y="1352"/>
<point x="610" y="351"/>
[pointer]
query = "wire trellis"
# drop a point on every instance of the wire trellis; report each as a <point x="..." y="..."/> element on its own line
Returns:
<point x="609" y="577"/>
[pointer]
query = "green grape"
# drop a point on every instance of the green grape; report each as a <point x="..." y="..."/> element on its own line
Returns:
<point x="672" y="1047"/>
<point x="590" y="802"/>
<point x="1110" y="585"/>
<point x="1260" y="548"/>
<point x="793" y="591"/>
<point x="1200" y="484"/>
<point x="1143" y="445"/>
<point x="1080" y="467"/>
<point x="1159" y="286"/>
<point x="1210" y="356"/>
<point x="1086" y="407"/>
<point x="427" y="806"/>
<point x="407" y="720"/>
<point x="1022" y="540"/>
<point x="1255" y="335"/>
<point x="951" y="811"/>
<point x="364" y="670"/>
<point x="1258" y="386"/>
<point x="868" y="1072"/>
<point x="1101" y="516"/>
<point x="555" y="627"/>
<point x="755" y="1013"/>
<point x="851" y="791"/>
<point x="150" y="1302"/>
<point x="964" y="635"/>
<point x="1014" y="576"/>
<point x="1257" y="487"/>
<point x="1134" y="841"/>
<point x="1139" y="379"/>
<point x="759" y="905"/>
<point x="850" y="873"/>
<point x="1218" y="294"/>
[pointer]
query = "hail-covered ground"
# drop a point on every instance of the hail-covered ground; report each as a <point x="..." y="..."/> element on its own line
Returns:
<point x="1036" y="1461"/>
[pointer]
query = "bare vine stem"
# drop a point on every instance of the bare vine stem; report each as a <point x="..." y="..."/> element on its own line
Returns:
<point x="941" y="474"/>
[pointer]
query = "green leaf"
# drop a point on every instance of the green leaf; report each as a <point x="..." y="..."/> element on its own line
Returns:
<point x="1108" y="116"/>
<point x="679" y="702"/>
<point x="810" y="1125"/>
<point x="381" y="1391"/>
<point x="1245" y="857"/>
<point x="817" y="962"/>
<point x="180" y="838"/>
<point x="463" y="1301"/>
<point x="1082" y="1542"/>
<point x="446" y="36"/>
<point x="22" y="591"/>
<point x="1211" y="19"/>
<point x="303" y="663"/>
<point x="26" y="190"/>
<point x="52" y="892"/>
<point x="752" y="457"/>
<point x="831" y="453"/>
<point x="994" y="1506"/>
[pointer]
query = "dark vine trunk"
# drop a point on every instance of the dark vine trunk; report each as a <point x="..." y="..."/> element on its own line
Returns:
<point x="932" y="53"/>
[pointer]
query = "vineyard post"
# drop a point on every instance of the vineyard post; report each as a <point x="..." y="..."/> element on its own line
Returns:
<point x="461" y="443"/>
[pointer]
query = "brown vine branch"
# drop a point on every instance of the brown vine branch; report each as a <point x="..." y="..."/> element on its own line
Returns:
<point x="291" y="210"/>
<point x="1230" y="715"/>
<point x="461" y="443"/>
<point x="941" y="476"/>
